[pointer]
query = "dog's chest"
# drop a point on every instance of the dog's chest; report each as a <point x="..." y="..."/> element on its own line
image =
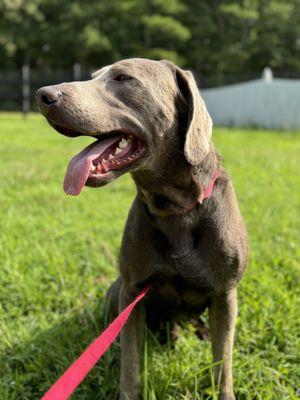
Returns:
<point x="179" y="293"/>
<point x="179" y="277"/>
<point x="183" y="253"/>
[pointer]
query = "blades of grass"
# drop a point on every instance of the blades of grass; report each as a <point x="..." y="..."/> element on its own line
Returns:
<point x="145" y="388"/>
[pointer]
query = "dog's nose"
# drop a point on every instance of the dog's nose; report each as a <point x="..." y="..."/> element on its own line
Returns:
<point x="48" y="95"/>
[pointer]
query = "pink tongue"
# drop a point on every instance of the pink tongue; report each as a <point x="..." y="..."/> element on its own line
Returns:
<point x="79" y="166"/>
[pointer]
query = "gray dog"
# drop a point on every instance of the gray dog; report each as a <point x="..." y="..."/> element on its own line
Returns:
<point x="148" y="118"/>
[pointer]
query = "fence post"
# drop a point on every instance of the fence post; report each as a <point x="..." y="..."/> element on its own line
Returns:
<point x="76" y="72"/>
<point x="25" y="90"/>
<point x="267" y="75"/>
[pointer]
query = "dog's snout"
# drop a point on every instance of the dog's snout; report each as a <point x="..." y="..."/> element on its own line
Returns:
<point x="48" y="96"/>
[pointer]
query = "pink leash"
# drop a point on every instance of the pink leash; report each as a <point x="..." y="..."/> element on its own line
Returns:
<point x="68" y="382"/>
<point x="74" y="375"/>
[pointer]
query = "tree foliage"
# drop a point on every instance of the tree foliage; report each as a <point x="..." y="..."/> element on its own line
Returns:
<point x="213" y="37"/>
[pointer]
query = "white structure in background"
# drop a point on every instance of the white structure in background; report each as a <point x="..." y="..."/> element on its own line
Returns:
<point x="267" y="75"/>
<point x="268" y="102"/>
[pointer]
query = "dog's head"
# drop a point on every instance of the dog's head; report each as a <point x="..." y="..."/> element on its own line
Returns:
<point x="132" y="108"/>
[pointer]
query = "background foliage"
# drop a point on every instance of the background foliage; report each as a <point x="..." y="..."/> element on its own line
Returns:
<point x="217" y="38"/>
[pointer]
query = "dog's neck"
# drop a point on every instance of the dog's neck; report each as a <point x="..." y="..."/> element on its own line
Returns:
<point x="175" y="187"/>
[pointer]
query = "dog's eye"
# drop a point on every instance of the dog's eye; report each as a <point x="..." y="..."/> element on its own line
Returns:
<point x="122" y="77"/>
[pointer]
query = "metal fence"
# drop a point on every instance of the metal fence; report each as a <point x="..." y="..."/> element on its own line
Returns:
<point x="267" y="102"/>
<point x="17" y="88"/>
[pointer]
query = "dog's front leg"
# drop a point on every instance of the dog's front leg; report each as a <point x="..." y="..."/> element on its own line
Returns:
<point x="131" y="346"/>
<point x="222" y="317"/>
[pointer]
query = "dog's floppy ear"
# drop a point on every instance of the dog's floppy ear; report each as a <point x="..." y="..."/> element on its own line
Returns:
<point x="199" y="123"/>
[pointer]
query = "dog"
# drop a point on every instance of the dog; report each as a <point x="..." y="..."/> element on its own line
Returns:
<point x="149" y="119"/>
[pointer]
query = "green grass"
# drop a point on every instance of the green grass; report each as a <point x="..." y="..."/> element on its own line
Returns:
<point x="59" y="254"/>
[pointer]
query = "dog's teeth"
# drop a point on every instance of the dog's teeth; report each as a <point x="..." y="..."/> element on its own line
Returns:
<point x="118" y="150"/>
<point x="123" y="143"/>
<point x="110" y="157"/>
<point x="92" y="168"/>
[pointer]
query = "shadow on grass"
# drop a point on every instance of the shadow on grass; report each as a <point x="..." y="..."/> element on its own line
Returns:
<point x="37" y="364"/>
<point x="31" y="368"/>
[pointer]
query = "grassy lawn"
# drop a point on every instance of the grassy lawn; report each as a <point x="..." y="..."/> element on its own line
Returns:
<point x="59" y="254"/>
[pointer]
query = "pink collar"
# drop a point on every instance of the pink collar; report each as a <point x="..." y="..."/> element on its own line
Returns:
<point x="209" y="189"/>
<point x="207" y="192"/>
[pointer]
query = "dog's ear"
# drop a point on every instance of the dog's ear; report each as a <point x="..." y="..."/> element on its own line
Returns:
<point x="199" y="123"/>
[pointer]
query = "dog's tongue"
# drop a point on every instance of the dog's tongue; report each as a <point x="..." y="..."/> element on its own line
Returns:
<point x="79" y="166"/>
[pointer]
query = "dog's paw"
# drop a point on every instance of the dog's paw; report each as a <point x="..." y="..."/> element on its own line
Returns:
<point x="201" y="331"/>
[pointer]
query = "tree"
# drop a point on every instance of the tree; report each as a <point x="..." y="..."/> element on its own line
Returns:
<point x="221" y="41"/>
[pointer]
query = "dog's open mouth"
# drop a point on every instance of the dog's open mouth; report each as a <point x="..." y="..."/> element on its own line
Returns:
<point x="102" y="161"/>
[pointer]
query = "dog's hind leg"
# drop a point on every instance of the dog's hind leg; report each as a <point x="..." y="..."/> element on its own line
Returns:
<point x="222" y="316"/>
<point x="111" y="307"/>
<point x="201" y="331"/>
